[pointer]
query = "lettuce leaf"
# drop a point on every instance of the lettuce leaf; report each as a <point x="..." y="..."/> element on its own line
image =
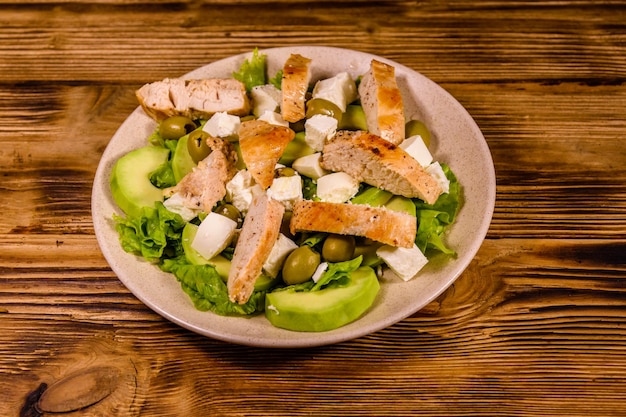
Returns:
<point x="163" y="176"/>
<point x="253" y="71"/>
<point x="277" y="80"/>
<point x="337" y="274"/>
<point x="208" y="291"/>
<point x="433" y="219"/>
<point x="154" y="234"/>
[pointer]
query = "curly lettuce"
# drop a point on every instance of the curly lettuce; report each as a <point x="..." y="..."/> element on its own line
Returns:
<point x="433" y="219"/>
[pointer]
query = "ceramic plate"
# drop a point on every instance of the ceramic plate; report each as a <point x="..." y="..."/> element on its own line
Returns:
<point x="456" y="141"/>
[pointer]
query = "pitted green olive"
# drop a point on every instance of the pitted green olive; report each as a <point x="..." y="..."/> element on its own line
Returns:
<point x="197" y="145"/>
<point x="175" y="127"/>
<point x="229" y="211"/>
<point x="338" y="248"/>
<point x="322" y="106"/>
<point x="416" y="127"/>
<point x="300" y="265"/>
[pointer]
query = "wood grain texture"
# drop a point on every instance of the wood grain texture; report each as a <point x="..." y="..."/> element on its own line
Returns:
<point x="536" y="326"/>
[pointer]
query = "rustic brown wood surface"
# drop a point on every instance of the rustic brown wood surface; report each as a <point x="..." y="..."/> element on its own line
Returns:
<point x="536" y="326"/>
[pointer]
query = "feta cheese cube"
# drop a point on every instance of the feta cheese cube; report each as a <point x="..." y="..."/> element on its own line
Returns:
<point x="310" y="166"/>
<point x="287" y="190"/>
<point x="317" y="129"/>
<point x="222" y="125"/>
<point x="436" y="171"/>
<point x="319" y="271"/>
<point x="281" y="249"/>
<point x="337" y="187"/>
<point x="340" y="90"/>
<point x="416" y="147"/>
<point x="176" y="204"/>
<point x="241" y="189"/>
<point x="273" y="118"/>
<point x="404" y="262"/>
<point x="214" y="234"/>
<point x="265" y="98"/>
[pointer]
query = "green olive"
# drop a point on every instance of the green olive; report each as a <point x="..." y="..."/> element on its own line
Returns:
<point x="285" y="172"/>
<point x="300" y="265"/>
<point x="229" y="211"/>
<point x="322" y="106"/>
<point x="197" y="145"/>
<point x="338" y="248"/>
<point x="415" y="127"/>
<point x="175" y="127"/>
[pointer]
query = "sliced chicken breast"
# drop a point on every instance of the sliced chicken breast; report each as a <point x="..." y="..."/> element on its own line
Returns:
<point x="377" y="223"/>
<point x="369" y="158"/>
<point x="206" y="184"/>
<point x="262" y="144"/>
<point x="382" y="102"/>
<point x="295" y="83"/>
<point x="258" y="235"/>
<point x="196" y="99"/>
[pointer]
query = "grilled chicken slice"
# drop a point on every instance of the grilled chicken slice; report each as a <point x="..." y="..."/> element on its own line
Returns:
<point x="258" y="235"/>
<point x="196" y="99"/>
<point x="369" y="158"/>
<point x="295" y="83"/>
<point x="382" y="102"/>
<point x="377" y="223"/>
<point x="203" y="187"/>
<point x="262" y="144"/>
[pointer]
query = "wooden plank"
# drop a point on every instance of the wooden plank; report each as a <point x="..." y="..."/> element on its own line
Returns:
<point x="485" y="43"/>
<point x="523" y="315"/>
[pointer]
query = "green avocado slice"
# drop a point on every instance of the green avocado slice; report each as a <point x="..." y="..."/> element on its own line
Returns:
<point x="130" y="179"/>
<point x="326" y="309"/>
<point x="182" y="163"/>
<point x="403" y="204"/>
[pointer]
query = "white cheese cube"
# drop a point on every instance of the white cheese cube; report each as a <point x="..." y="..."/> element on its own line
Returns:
<point x="340" y="90"/>
<point x="404" y="262"/>
<point x="273" y="118"/>
<point x="416" y="147"/>
<point x="265" y="98"/>
<point x="310" y="166"/>
<point x="319" y="271"/>
<point x="317" y="129"/>
<point x="222" y="125"/>
<point x="337" y="187"/>
<point x="436" y="171"/>
<point x="214" y="234"/>
<point x="241" y="189"/>
<point x="281" y="249"/>
<point x="176" y="204"/>
<point x="287" y="190"/>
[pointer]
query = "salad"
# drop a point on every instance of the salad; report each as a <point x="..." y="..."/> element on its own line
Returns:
<point x="201" y="198"/>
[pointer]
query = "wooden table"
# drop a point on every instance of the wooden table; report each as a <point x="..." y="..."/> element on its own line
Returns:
<point x="536" y="325"/>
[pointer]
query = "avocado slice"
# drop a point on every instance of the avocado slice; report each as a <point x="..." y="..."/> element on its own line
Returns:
<point x="372" y="196"/>
<point x="353" y="118"/>
<point x="221" y="264"/>
<point x="401" y="203"/>
<point x="182" y="163"/>
<point x="295" y="149"/>
<point x="325" y="309"/>
<point x="368" y="252"/>
<point x="130" y="179"/>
